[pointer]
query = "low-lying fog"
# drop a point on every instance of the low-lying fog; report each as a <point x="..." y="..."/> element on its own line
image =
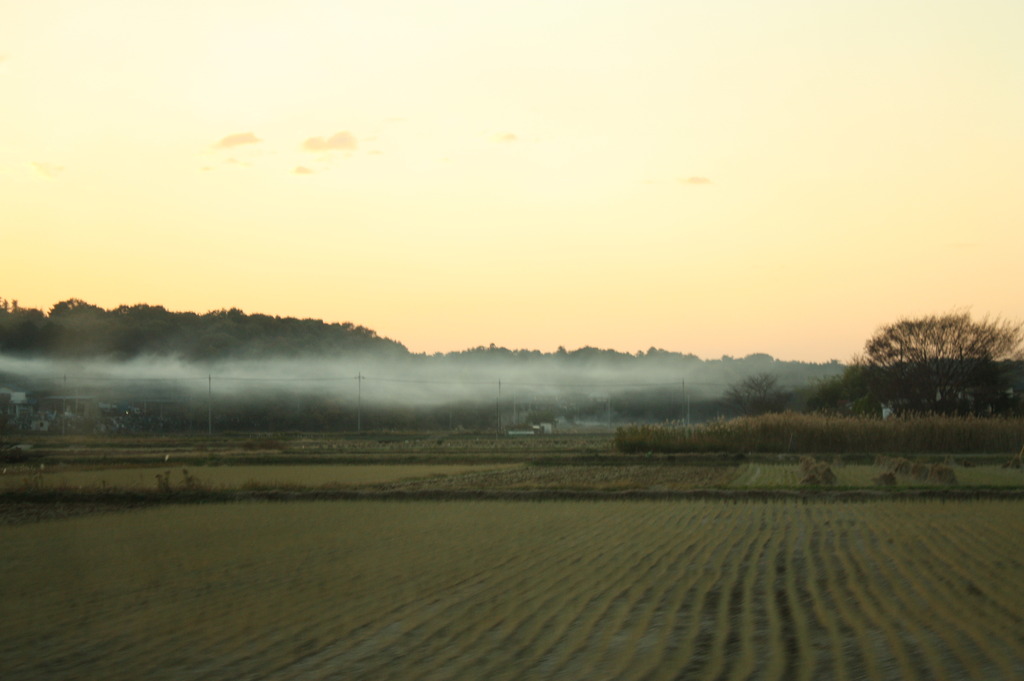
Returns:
<point x="412" y="379"/>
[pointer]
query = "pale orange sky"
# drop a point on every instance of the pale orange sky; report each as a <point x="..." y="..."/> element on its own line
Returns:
<point x="718" y="178"/>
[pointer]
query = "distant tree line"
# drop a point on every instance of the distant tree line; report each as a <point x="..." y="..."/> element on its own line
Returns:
<point x="940" y="364"/>
<point x="75" y="328"/>
<point x="588" y="385"/>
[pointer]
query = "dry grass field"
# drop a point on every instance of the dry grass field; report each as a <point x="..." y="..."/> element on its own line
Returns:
<point x="528" y="590"/>
<point x="230" y="477"/>
<point x="650" y="477"/>
<point x="642" y="477"/>
<point x="762" y="475"/>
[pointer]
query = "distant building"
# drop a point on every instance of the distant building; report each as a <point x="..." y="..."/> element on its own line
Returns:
<point x="14" y="403"/>
<point x="78" y="406"/>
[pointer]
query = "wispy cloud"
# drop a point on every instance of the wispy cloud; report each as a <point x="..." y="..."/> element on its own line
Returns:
<point x="302" y="170"/>
<point x="47" y="170"/>
<point x="230" y="162"/>
<point x="696" y="179"/>
<point x="339" y="141"/>
<point x="237" y="140"/>
<point x="506" y="137"/>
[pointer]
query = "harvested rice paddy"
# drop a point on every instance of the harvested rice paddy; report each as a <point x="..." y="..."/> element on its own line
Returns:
<point x="783" y="475"/>
<point x="502" y="590"/>
<point x="647" y="477"/>
<point x="232" y="477"/>
<point x="655" y="478"/>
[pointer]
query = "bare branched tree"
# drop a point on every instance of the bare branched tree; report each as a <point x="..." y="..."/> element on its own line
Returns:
<point x="757" y="394"/>
<point x="942" y="364"/>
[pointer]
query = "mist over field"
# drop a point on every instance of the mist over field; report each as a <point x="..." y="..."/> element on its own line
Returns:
<point x="409" y="380"/>
<point x="257" y="362"/>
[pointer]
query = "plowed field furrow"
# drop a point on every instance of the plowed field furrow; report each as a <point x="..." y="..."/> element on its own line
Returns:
<point x="685" y="608"/>
<point x="979" y="560"/>
<point x="617" y="653"/>
<point x="462" y="648"/>
<point x="462" y="616"/>
<point x="983" y="632"/>
<point x="880" y="594"/>
<point x="940" y="654"/>
<point x="670" y="627"/>
<point x="292" y="636"/>
<point x="299" y="632"/>
<point x="769" y="658"/>
<point x="937" y="625"/>
<point x="859" y="630"/>
<point x="810" y="635"/>
<point x="752" y="618"/>
<point x="608" y="596"/>
<point x="830" y="662"/>
<point x="951" y="561"/>
<point x="503" y="584"/>
<point x="317" y="621"/>
<point x="777" y="654"/>
<point x="794" y="635"/>
<point x="711" y="630"/>
<point x="555" y="603"/>
<point x="875" y="596"/>
<point x="656" y="582"/>
<point x="980" y="636"/>
<point x="441" y="591"/>
<point x="544" y="614"/>
<point x="536" y="589"/>
<point x="768" y="552"/>
<point x="668" y="590"/>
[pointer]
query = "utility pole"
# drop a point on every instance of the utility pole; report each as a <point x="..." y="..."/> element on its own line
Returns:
<point x="497" y="433"/>
<point x="359" y="403"/>
<point x="684" y="406"/>
<point x="64" y="405"/>
<point x="209" y="404"/>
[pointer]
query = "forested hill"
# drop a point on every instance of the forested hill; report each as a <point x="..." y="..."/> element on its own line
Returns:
<point x="74" y="328"/>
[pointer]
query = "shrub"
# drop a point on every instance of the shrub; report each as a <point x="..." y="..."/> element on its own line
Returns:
<point x="163" y="482"/>
<point x="191" y="481"/>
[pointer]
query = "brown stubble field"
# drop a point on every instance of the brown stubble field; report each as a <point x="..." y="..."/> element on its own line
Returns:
<point x="894" y="589"/>
<point x="310" y="476"/>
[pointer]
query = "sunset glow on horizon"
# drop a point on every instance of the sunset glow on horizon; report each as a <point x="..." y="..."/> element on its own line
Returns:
<point x="718" y="178"/>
